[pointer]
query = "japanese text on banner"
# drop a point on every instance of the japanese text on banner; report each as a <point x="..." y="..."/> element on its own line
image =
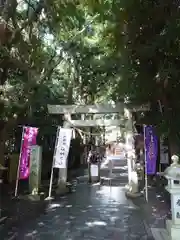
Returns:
<point x="62" y="148"/>
<point x="151" y="149"/>
<point x="28" y="140"/>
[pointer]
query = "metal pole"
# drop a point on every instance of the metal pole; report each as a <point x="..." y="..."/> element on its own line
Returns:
<point x="145" y="160"/>
<point x="51" y="181"/>
<point x="52" y="168"/>
<point x="17" y="176"/>
<point x="160" y="167"/>
<point x="146" y="187"/>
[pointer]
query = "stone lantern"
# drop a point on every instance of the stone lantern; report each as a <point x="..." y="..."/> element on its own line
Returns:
<point x="172" y="174"/>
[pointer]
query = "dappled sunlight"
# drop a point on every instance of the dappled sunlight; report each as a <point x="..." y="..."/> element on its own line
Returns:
<point x="89" y="206"/>
<point x="103" y="211"/>
<point x="68" y="206"/>
<point x="113" y="219"/>
<point x="96" y="223"/>
<point x="83" y="211"/>
<point x="67" y="222"/>
<point x="123" y="174"/>
<point x="54" y="205"/>
<point x="93" y="212"/>
<point x="112" y="192"/>
<point x="132" y="207"/>
<point x="31" y="234"/>
<point x="41" y="224"/>
<point x="157" y="210"/>
<point x="96" y="184"/>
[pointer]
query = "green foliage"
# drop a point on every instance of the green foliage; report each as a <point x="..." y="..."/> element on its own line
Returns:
<point x="89" y="51"/>
<point x="152" y="51"/>
<point x="52" y="52"/>
<point x="146" y="35"/>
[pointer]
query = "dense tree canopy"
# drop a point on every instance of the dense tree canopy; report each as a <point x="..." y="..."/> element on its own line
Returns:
<point x="145" y="35"/>
<point x="51" y="52"/>
<point x="65" y="51"/>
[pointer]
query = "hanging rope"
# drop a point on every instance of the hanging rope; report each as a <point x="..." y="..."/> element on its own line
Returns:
<point x="86" y="133"/>
<point x="68" y="118"/>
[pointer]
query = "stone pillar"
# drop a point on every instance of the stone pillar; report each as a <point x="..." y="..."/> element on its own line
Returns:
<point x="172" y="173"/>
<point x="172" y="231"/>
<point x="35" y="171"/>
<point x="132" y="187"/>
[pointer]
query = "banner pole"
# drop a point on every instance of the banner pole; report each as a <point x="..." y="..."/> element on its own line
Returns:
<point x="17" y="176"/>
<point x="51" y="181"/>
<point x="146" y="186"/>
<point x="52" y="168"/>
<point x="160" y="167"/>
<point x="145" y="160"/>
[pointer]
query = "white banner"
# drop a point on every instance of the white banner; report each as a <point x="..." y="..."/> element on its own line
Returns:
<point x="62" y="147"/>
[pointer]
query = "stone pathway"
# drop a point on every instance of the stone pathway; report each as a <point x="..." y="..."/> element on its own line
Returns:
<point x="93" y="212"/>
<point x="156" y="212"/>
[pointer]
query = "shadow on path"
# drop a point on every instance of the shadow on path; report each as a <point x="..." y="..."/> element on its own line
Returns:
<point x="93" y="212"/>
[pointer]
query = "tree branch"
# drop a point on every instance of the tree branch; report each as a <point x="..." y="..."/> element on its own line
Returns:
<point x="29" y="21"/>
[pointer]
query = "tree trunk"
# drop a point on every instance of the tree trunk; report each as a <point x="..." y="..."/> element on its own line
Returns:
<point x="3" y="138"/>
<point x="4" y="130"/>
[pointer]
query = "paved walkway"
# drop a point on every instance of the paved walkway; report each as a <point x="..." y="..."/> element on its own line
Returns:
<point x="92" y="212"/>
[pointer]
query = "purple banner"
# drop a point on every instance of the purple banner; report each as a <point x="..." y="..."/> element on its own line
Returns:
<point x="151" y="149"/>
<point x="28" y="140"/>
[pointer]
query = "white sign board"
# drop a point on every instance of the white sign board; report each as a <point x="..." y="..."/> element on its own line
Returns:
<point x="35" y="169"/>
<point x="94" y="170"/>
<point x="164" y="156"/>
<point x="62" y="147"/>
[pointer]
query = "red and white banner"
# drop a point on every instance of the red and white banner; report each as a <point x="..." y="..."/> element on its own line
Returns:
<point x="28" y="140"/>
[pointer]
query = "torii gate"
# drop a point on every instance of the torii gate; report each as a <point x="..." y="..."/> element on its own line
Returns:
<point x="120" y="108"/>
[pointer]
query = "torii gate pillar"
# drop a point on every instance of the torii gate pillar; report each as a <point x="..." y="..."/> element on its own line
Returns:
<point x="132" y="187"/>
